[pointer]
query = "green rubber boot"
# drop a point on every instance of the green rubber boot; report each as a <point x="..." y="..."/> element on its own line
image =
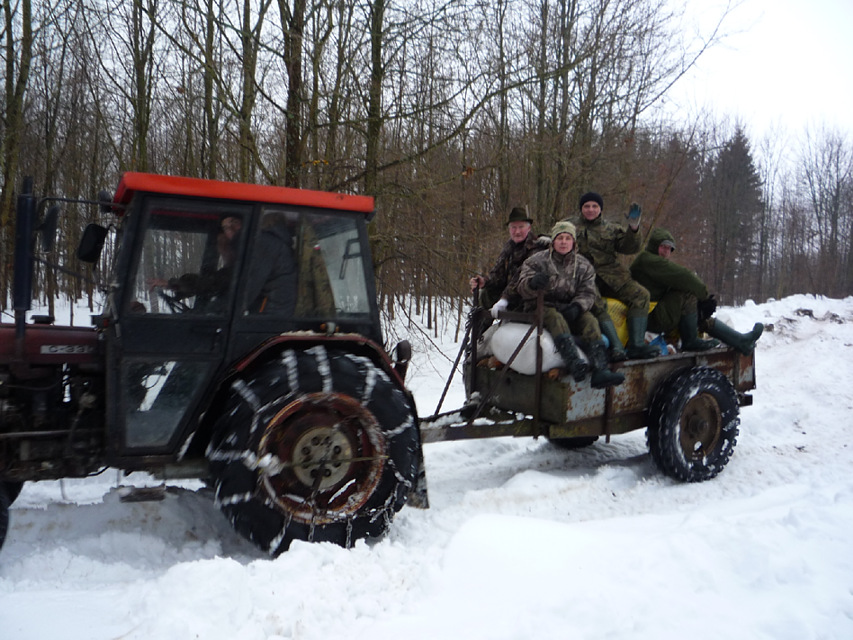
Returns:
<point x="608" y="329"/>
<point x="637" y="347"/>
<point x="688" y="327"/>
<point x="743" y="342"/>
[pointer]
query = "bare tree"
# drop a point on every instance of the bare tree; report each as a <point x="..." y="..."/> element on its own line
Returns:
<point x="18" y="31"/>
<point x="293" y="27"/>
<point x="827" y="170"/>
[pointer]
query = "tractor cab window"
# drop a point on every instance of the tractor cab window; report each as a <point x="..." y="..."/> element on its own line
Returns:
<point x="307" y="265"/>
<point x="187" y="262"/>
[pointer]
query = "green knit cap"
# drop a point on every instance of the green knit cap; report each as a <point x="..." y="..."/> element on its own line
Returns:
<point x="563" y="226"/>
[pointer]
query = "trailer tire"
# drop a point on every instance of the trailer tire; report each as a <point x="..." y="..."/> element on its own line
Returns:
<point x="13" y="489"/>
<point x="5" y="503"/>
<point x="317" y="445"/>
<point x="574" y="443"/>
<point x="692" y="424"/>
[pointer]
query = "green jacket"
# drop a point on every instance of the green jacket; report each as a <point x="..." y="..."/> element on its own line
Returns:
<point x="661" y="275"/>
<point x="599" y="241"/>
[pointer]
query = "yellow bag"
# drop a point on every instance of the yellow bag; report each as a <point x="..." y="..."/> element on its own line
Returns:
<point x="619" y="314"/>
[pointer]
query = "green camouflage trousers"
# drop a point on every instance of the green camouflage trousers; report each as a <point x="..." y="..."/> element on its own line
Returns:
<point x="586" y="326"/>
<point x="632" y="294"/>
<point x="672" y="305"/>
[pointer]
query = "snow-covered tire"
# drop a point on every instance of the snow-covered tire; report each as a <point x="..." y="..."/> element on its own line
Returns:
<point x="13" y="489"/>
<point x="5" y="503"/>
<point x="693" y="424"/>
<point x="317" y="445"/>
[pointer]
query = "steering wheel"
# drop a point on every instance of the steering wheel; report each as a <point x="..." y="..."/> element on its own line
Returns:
<point x="175" y="304"/>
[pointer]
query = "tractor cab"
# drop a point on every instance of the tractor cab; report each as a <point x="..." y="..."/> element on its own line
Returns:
<point x="240" y="343"/>
<point x="206" y="272"/>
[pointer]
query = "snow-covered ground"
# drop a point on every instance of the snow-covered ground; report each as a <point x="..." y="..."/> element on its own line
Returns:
<point x="523" y="540"/>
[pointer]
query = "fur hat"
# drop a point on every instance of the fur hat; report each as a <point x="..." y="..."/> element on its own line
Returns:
<point x="519" y="214"/>
<point x="563" y="226"/>
<point x="591" y="196"/>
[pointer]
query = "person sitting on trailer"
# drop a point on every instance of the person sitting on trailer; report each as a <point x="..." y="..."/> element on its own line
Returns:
<point x="495" y="294"/>
<point x="683" y="300"/>
<point x="601" y="242"/>
<point x="567" y="281"/>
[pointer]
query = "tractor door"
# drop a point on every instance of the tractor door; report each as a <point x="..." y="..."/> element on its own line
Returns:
<point x="178" y="266"/>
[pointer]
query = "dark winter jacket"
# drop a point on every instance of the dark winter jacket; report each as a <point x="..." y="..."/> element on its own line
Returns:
<point x="599" y="241"/>
<point x="271" y="281"/>
<point x="572" y="279"/>
<point x="211" y="282"/>
<point x="660" y="275"/>
<point x="509" y="263"/>
<point x="314" y="295"/>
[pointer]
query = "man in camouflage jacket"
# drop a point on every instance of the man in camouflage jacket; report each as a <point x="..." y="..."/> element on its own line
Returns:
<point x="522" y="243"/>
<point x="599" y="242"/>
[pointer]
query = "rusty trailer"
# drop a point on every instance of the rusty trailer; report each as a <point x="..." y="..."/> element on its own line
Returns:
<point x="689" y="403"/>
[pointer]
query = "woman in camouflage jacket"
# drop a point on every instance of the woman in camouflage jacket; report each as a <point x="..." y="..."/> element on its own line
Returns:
<point x="566" y="281"/>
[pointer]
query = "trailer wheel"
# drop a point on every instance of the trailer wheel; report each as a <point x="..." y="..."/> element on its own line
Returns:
<point x="5" y="502"/>
<point x="574" y="443"/>
<point x="13" y="489"/>
<point x="319" y="445"/>
<point x="693" y="424"/>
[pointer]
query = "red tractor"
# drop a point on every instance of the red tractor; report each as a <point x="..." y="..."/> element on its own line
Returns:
<point x="239" y="343"/>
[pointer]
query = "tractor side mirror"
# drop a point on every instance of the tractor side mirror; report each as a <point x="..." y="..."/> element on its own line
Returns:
<point x="91" y="243"/>
<point x="48" y="228"/>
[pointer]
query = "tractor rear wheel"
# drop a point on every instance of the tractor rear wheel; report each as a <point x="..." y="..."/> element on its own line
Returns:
<point x="317" y="445"/>
<point x="5" y="502"/>
<point x="693" y="424"/>
<point x="13" y="489"/>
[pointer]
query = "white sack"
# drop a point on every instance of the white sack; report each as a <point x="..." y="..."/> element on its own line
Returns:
<point x="506" y="338"/>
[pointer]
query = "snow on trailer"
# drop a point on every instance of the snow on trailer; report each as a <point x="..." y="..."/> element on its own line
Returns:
<point x="689" y="402"/>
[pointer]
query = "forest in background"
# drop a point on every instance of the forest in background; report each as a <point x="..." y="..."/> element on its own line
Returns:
<point x="448" y="112"/>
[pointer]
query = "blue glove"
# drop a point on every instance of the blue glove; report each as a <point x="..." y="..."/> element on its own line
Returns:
<point x="539" y="281"/>
<point x="634" y="214"/>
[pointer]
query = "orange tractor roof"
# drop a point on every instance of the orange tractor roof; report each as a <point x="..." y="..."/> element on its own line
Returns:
<point x="132" y="182"/>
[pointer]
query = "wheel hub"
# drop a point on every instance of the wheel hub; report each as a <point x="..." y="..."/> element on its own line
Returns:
<point x="321" y="457"/>
<point x="322" y="453"/>
<point x="701" y="426"/>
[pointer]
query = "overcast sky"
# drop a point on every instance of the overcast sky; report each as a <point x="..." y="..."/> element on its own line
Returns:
<point x="785" y="63"/>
